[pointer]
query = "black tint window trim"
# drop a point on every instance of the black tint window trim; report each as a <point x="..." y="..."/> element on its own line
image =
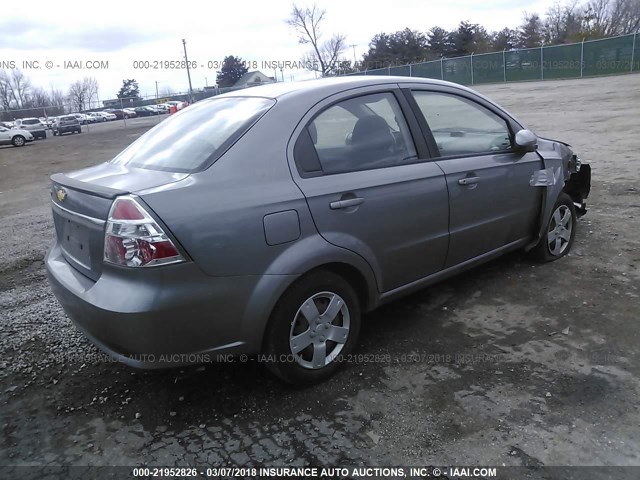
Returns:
<point x="305" y="156"/>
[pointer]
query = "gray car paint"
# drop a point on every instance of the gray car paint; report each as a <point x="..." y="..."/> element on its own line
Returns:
<point x="222" y="299"/>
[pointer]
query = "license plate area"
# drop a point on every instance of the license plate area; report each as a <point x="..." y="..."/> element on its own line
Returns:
<point x="75" y="242"/>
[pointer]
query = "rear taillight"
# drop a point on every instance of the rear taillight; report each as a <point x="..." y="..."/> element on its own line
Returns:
<point x="134" y="239"/>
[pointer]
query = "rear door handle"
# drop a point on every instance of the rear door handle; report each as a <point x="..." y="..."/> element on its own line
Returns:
<point x="469" y="180"/>
<point x="350" y="202"/>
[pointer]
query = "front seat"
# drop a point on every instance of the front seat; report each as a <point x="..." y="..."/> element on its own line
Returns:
<point x="372" y="140"/>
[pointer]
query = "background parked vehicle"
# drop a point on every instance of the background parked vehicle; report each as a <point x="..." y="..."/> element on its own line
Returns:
<point x="145" y="111"/>
<point x="93" y="117"/>
<point x="120" y="114"/>
<point x="33" y="125"/>
<point x="15" y="137"/>
<point x="105" y="116"/>
<point x="82" y="118"/>
<point x="66" y="124"/>
<point x="130" y="112"/>
<point x="109" y="115"/>
<point x="179" y="104"/>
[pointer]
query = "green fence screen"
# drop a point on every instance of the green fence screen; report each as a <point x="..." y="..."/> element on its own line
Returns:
<point x="608" y="56"/>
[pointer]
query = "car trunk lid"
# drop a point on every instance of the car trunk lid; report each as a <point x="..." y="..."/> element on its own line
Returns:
<point x="81" y="201"/>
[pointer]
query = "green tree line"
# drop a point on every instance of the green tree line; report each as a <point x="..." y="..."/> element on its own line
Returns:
<point x="562" y="23"/>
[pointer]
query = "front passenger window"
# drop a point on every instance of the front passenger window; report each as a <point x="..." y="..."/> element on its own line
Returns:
<point x="461" y="126"/>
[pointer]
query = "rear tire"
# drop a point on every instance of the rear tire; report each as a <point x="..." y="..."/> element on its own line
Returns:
<point x="312" y="328"/>
<point x="559" y="233"/>
<point x="18" y="141"/>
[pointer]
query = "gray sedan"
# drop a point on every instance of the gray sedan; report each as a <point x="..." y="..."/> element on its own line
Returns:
<point x="268" y="220"/>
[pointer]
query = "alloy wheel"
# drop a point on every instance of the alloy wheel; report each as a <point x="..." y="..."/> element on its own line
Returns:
<point x="559" y="233"/>
<point x="319" y="330"/>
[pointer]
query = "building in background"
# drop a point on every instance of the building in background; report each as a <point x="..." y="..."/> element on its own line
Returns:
<point x="252" y="79"/>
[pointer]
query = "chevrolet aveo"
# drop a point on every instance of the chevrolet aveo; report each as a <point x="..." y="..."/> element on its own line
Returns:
<point x="268" y="220"/>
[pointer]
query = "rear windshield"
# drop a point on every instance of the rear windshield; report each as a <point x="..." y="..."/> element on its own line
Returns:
<point x="31" y="122"/>
<point x="196" y="136"/>
<point x="66" y="119"/>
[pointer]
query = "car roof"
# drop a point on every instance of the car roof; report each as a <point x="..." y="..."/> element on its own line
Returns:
<point x="330" y="85"/>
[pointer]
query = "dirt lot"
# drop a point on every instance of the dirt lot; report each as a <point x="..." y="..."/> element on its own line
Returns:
<point x="510" y="364"/>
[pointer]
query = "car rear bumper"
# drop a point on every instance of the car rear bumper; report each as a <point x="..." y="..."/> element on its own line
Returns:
<point x="166" y="316"/>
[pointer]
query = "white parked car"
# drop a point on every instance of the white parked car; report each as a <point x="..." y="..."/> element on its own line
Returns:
<point x="33" y="125"/>
<point x="105" y="116"/>
<point x="82" y="118"/>
<point x="15" y="137"/>
<point x="179" y="104"/>
<point x="93" y="117"/>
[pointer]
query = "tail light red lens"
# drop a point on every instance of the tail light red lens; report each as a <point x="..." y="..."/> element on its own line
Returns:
<point x="134" y="239"/>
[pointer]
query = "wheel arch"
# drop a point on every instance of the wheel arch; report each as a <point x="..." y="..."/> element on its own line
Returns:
<point x="361" y="279"/>
<point x="351" y="274"/>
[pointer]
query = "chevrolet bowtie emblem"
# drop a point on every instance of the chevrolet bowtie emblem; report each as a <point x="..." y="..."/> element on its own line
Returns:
<point x="61" y="194"/>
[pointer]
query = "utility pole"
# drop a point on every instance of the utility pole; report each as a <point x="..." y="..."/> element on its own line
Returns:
<point x="186" y="59"/>
<point x="157" y="109"/>
<point x="353" y="45"/>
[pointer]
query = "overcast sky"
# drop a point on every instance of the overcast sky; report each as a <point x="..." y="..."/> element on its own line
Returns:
<point x="122" y="32"/>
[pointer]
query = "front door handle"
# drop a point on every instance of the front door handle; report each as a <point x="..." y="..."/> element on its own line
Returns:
<point x="349" y="202"/>
<point x="469" y="180"/>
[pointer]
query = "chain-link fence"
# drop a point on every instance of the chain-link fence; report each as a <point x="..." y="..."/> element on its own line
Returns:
<point x="608" y="56"/>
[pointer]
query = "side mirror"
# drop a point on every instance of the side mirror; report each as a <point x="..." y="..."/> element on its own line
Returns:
<point x="526" y="140"/>
<point x="348" y="139"/>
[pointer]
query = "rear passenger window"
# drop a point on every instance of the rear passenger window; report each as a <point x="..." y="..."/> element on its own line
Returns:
<point x="361" y="133"/>
<point x="461" y="126"/>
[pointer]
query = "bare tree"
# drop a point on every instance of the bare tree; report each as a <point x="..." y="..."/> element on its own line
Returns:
<point x="38" y="99"/>
<point x="78" y="95"/>
<point x="563" y="23"/>
<point x="57" y="102"/>
<point x="625" y="16"/>
<point x="605" y="18"/>
<point x="90" y="86"/>
<point x="5" y="90"/>
<point x="20" y="86"/>
<point x="324" y="56"/>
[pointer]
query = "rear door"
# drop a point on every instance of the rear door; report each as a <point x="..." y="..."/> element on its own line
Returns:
<point x="364" y="167"/>
<point x="491" y="202"/>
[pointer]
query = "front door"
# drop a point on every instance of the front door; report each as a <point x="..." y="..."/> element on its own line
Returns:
<point x="490" y="199"/>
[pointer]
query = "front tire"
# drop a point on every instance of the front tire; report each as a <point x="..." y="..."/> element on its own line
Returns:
<point x="314" y="325"/>
<point x="560" y="232"/>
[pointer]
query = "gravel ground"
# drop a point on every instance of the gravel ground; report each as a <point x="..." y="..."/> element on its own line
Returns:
<point x="509" y="364"/>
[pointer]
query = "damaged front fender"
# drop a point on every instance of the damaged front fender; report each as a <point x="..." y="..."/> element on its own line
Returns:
<point x="563" y="172"/>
